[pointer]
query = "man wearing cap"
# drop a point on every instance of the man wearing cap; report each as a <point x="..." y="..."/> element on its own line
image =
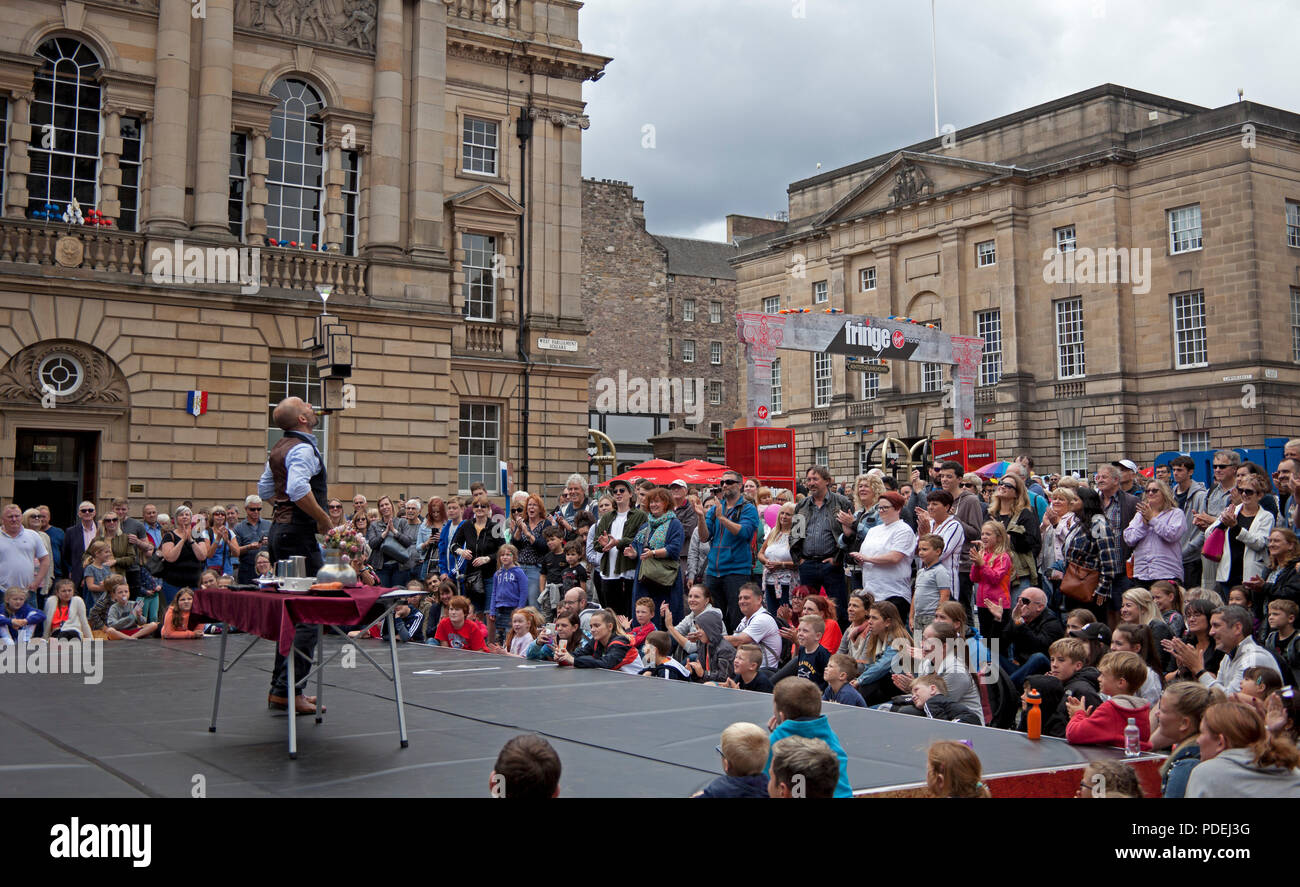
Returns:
<point x="613" y="548"/>
<point x="685" y="512"/>
<point x="731" y="527"/>
<point x="1128" y="471"/>
<point x="294" y="480"/>
<point x="1097" y="636"/>
<point x="252" y="536"/>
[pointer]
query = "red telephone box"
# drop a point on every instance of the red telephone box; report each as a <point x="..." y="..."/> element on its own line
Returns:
<point x="766" y="454"/>
<point x="971" y="452"/>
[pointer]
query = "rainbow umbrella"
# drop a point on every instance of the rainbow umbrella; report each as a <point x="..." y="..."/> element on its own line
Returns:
<point x="993" y="469"/>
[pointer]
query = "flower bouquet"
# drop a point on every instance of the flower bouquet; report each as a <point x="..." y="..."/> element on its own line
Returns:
<point x="347" y="542"/>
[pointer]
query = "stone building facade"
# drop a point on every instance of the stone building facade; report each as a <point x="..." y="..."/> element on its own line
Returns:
<point x="1013" y="230"/>
<point x="660" y="308"/>
<point x="369" y="145"/>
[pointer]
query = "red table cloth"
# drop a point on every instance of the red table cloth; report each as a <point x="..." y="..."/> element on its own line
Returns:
<point x="273" y="615"/>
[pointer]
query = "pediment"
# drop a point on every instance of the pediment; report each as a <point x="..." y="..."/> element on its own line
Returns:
<point x="485" y="198"/>
<point x="909" y="177"/>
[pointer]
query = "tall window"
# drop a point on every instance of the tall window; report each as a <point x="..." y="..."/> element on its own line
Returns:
<point x="1292" y="223"/>
<point x="688" y="310"/>
<point x="864" y="457"/>
<point x="777" y="406"/>
<point x="771" y="304"/>
<point x="1189" y="330"/>
<point x="871" y="381"/>
<point x="715" y="393"/>
<point x="820" y="291"/>
<point x="867" y="279"/>
<point x="1185" y="229"/>
<point x="480" y="446"/>
<point x="1295" y="323"/>
<point x="478" y="151"/>
<point x="688" y="351"/>
<point x="1069" y="339"/>
<point x="986" y="253"/>
<point x="688" y="397"/>
<point x="715" y="312"/>
<point x="295" y="178"/>
<point x="4" y="140"/>
<point x="128" y="192"/>
<point x="988" y="325"/>
<point x="1074" y="451"/>
<point x="670" y="348"/>
<point x="821" y="380"/>
<point x="715" y="353"/>
<point x="1193" y="441"/>
<point x="294" y="377"/>
<point x="65" y="117"/>
<point x="480" y="286"/>
<point x="820" y="456"/>
<point x="1065" y="240"/>
<point x="932" y="373"/>
<point x="238" y="183"/>
<point x="351" y="199"/>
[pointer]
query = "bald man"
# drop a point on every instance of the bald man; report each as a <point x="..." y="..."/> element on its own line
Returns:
<point x="295" y="484"/>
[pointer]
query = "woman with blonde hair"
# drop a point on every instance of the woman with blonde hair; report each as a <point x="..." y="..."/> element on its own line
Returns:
<point x="32" y="521"/>
<point x="1058" y="521"/>
<point x="1011" y="508"/>
<point x="1155" y="535"/>
<point x="1175" y="723"/>
<point x="1282" y="581"/>
<point x="1138" y="606"/>
<point x="991" y="569"/>
<point x="1247" y="525"/>
<point x="953" y="771"/>
<point x="887" y="636"/>
<point x="1240" y="758"/>
<point x="778" y="563"/>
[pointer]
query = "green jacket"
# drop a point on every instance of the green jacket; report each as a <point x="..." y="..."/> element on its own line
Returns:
<point x="636" y="519"/>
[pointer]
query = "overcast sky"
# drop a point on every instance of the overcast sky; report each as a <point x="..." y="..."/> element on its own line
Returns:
<point x="746" y="97"/>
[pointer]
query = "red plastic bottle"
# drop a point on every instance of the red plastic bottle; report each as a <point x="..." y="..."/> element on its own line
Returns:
<point x="1034" y="717"/>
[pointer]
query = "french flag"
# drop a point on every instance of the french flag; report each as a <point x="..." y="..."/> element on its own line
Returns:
<point x="197" y="403"/>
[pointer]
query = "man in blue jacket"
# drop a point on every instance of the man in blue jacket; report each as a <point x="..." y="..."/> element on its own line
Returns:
<point x="732" y="527"/>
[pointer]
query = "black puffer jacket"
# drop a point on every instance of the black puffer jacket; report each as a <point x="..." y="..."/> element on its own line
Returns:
<point x="938" y="707"/>
<point x="1084" y="685"/>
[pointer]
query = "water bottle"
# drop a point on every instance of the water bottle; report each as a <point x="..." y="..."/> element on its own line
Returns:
<point x="1132" y="740"/>
<point x="1034" y="718"/>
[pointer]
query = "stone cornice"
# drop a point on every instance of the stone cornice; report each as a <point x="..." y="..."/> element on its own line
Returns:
<point x="525" y="55"/>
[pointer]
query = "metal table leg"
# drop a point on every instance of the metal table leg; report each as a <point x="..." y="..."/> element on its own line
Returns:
<point x="293" y="707"/>
<point x="320" y="673"/>
<point x="397" y="679"/>
<point x="221" y="670"/>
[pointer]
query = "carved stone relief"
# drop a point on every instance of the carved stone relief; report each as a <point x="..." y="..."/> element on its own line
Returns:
<point x="342" y="22"/>
<point x="101" y="383"/>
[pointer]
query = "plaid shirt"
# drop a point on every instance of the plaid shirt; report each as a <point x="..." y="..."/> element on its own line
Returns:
<point x="1097" y="548"/>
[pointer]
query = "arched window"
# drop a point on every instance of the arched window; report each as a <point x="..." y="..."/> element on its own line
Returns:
<point x="65" y="120"/>
<point x="295" y="156"/>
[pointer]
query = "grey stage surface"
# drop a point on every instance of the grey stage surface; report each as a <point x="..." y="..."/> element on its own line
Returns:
<point x="143" y="731"/>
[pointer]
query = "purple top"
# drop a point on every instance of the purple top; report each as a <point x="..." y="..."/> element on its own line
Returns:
<point x="1157" y="546"/>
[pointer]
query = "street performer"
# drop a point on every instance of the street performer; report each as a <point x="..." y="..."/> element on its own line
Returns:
<point x="294" y="483"/>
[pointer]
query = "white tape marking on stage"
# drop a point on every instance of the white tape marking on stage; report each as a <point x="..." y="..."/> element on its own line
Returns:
<point x="539" y="665"/>
<point x="456" y="670"/>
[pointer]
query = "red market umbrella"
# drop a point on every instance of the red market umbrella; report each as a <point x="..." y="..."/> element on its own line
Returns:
<point x="697" y="471"/>
<point x="661" y="471"/>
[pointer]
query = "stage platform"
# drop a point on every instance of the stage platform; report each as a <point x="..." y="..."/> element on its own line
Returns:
<point x="143" y="731"/>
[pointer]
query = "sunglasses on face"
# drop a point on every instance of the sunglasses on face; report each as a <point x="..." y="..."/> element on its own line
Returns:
<point x="727" y="482"/>
<point x="87" y="511"/>
<point x="254" y="508"/>
<point x="1249" y="492"/>
<point x="968" y="486"/>
<point x="110" y="520"/>
<point x="1221" y="467"/>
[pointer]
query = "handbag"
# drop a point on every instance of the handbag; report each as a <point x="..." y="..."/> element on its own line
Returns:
<point x="660" y="571"/>
<point x="1079" y="582"/>
<point x="395" y="551"/>
<point x="1214" y="543"/>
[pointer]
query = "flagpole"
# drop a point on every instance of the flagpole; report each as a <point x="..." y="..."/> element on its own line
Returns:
<point x="934" y="71"/>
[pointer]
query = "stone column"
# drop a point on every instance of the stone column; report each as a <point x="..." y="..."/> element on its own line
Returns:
<point x="424" y="194"/>
<point x="255" y="230"/>
<point x="171" y="119"/>
<point x="216" y="79"/>
<point x="386" y="153"/>
<point x="110" y="172"/>
<point x="18" y="164"/>
<point x="334" y="177"/>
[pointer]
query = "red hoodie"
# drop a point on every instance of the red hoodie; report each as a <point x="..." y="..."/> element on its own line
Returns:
<point x="1105" y="726"/>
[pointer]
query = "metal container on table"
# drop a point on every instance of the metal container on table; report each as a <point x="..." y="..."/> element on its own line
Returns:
<point x="299" y="566"/>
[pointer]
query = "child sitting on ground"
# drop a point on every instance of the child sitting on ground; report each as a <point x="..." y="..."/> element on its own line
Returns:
<point x="810" y="656"/>
<point x="124" y="621"/>
<point x="457" y="630"/>
<point x="176" y="624"/>
<point x="797" y="711"/>
<point x="525" y="627"/>
<point x="744" y="751"/>
<point x="747" y="670"/>
<point x="658" y="655"/>
<point x="1122" y="674"/>
<point x="98" y="614"/>
<point x="1078" y="679"/>
<point x="840" y="672"/>
<point x="568" y="635"/>
<point x="19" y="621"/>
<point x="65" y="613"/>
<point x="645" y="609"/>
<point x="929" y="699"/>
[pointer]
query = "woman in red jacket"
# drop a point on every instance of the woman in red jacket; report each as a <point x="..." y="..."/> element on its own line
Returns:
<point x="611" y="647"/>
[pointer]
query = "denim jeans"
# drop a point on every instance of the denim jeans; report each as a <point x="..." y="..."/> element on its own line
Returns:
<point x="1035" y="664"/>
<point x="830" y="577"/>
<point x="725" y="592"/>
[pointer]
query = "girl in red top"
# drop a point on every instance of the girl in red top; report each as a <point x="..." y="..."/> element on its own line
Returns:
<point x="990" y="566"/>
<point x="176" y="624"/>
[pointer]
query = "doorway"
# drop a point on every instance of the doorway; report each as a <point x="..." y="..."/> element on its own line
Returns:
<point x="57" y="468"/>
